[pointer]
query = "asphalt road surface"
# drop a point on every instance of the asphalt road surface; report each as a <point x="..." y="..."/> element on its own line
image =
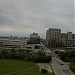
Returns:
<point x="60" y="68"/>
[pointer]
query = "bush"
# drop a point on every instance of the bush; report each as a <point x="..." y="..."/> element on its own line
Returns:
<point x="25" y="55"/>
<point x="44" y="71"/>
<point x="72" y="67"/>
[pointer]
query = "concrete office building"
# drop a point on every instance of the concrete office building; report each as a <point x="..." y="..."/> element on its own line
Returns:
<point x="34" y="36"/>
<point x="7" y="44"/>
<point x="68" y="39"/>
<point x="34" y="42"/>
<point x="34" y="39"/>
<point x="55" y="38"/>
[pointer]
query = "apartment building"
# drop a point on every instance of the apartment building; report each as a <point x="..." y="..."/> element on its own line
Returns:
<point x="55" y="38"/>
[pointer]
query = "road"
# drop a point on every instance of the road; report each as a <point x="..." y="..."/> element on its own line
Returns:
<point x="66" y="70"/>
<point x="59" y="67"/>
<point x="55" y="65"/>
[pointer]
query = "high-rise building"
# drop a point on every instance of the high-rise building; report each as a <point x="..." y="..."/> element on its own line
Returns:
<point x="53" y="37"/>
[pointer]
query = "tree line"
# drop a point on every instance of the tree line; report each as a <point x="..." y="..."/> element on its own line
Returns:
<point x="25" y="55"/>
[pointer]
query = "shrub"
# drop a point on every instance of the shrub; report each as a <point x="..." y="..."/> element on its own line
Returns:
<point x="44" y="71"/>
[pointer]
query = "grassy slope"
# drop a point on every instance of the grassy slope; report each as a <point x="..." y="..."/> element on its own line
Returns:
<point x="14" y="67"/>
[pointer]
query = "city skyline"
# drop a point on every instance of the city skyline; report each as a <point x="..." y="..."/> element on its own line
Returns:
<point x="23" y="17"/>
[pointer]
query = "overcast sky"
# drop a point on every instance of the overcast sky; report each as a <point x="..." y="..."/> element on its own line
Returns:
<point x="23" y="17"/>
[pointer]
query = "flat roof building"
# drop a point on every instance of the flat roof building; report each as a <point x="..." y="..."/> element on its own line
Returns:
<point x="53" y="35"/>
<point x="9" y="44"/>
<point x="55" y="38"/>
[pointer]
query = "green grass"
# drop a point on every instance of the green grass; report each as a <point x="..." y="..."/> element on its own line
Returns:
<point x="16" y="67"/>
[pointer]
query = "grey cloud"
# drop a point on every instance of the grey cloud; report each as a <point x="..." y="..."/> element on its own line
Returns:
<point x="27" y="16"/>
